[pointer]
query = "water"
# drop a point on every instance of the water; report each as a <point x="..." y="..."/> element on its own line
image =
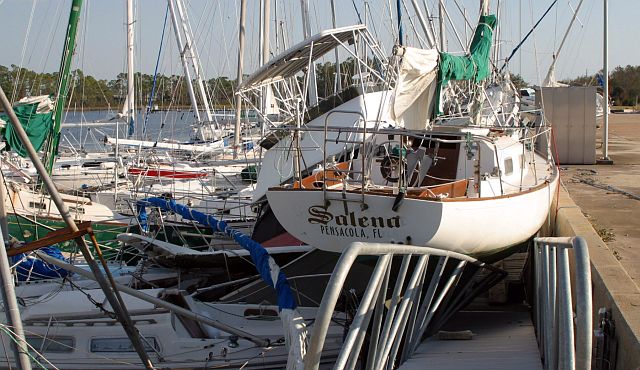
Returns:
<point x="160" y="125"/>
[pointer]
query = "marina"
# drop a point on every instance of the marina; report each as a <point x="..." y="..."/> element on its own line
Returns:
<point x="376" y="188"/>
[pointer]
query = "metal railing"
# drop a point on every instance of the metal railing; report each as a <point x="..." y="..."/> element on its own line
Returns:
<point x="565" y="341"/>
<point x="348" y="140"/>
<point x="402" y="302"/>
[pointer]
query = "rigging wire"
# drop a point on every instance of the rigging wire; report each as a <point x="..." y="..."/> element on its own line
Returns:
<point x="17" y="82"/>
<point x="14" y="337"/>
<point x="155" y="75"/>
<point x="357" y="11"/>
<point x="535" y="49"/>
<point x="38" y="80"/>
<point x="513" y="52"/>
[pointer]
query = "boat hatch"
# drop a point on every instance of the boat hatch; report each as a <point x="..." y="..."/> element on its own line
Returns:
<point x="38" y="205"/>
<point x="77" y="210"/>
<point x="261" y="314"/>
<point x="121" y="345"/>
<point x="51" y="344"/>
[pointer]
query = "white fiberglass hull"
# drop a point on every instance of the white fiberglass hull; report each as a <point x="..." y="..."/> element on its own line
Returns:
<point x="472" y="226"/>
<point x="80" y="336"/>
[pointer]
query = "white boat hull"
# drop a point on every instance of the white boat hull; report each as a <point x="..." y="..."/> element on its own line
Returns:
<point x="472" y="226"/>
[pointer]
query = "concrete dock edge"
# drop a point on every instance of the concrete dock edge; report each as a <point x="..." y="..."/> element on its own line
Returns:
<point x="613" y="288"/>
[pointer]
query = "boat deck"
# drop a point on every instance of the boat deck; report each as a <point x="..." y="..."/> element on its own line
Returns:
<point x="502" y="340"/>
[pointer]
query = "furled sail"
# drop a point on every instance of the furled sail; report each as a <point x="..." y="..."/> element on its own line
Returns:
<point x="36" y="116"/>
<point x="415" y="87"/>
<point x="474" y="66"/>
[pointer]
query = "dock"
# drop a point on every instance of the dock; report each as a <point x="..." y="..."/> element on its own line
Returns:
<point x="602" y="204"/>
<point x="503" y="339"/>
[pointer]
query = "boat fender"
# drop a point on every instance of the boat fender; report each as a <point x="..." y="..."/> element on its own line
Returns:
<point x="397" y="202"/>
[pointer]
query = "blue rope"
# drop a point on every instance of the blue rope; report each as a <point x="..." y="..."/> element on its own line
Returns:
<point x="357" y="12"/>
<point x="400" y="32"/>
<point x="155" y="75"/>
<point x="263" y="262"/>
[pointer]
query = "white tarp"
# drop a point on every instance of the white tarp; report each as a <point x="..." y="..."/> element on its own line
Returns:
<point x="415" y="88"/>
<point x="45" y="104"/>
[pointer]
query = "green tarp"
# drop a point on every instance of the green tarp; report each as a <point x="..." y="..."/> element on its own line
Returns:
<point x="474" y="66"/>
<point x="37" y="125"/>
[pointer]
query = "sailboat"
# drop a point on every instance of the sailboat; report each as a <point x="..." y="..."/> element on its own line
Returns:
<point x="30" y="210"/>
<point x="409" y="158"/>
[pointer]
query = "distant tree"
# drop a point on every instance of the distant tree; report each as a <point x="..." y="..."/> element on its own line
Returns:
<point x="222" y="91"/>
<point x="518" y="81"/>
<point x="624" y="84"/>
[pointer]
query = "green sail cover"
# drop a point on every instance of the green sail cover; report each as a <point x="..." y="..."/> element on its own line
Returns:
<point x="37" y="125"/>
<point x="474" y="66"/>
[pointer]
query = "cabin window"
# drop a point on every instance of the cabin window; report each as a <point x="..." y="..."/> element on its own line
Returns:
<point x="38" y="205"/>
<point x="51" y="344"/>
<point x="77" y="210"/>
<point x="121" y="345"/>
<point x="508" y="166"/>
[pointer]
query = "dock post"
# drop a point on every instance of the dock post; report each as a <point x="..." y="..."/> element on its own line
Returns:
<point x="605" y="93"/>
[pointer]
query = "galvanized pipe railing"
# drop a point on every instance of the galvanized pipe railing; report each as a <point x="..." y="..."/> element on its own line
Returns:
<point x="399" y="320"/>
<point x="555" y="321"/>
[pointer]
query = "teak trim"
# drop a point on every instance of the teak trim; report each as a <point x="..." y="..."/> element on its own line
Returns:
<point x="54" y="237"/>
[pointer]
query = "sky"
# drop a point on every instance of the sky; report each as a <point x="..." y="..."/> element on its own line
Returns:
<point x="33" y="33"/>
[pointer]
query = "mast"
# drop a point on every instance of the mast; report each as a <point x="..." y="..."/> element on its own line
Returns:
<point x="241" y="32"/>
<point x="443" y="40"/>
<point x="264" y="99"/>
<point x="266" y="30"/>
<point x="190" y="47"/>
<point x="131" y="106"/>
<point x="185" y="66"/>
<point x="306" y="27"/>
<point x="519" y="35"/>
<point x="552" y="68"/>
<point x="63" y="86"/>
<point x="275" y="23"/>
<point x="496" y="33"/>
<point x="12" y="311"/>
<point x="338" y="82"/>
<point x="431" y="40"/>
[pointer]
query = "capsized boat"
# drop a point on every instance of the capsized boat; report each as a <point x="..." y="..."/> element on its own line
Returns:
<point x="434" y="161"/>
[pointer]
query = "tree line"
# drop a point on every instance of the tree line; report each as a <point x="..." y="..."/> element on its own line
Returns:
<point x="88" y="92"/>
<point x="171" y="91"/>
<point x="624" y="84"/>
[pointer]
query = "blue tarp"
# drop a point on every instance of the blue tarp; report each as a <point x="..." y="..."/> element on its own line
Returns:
<point x="31" y="268"/>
